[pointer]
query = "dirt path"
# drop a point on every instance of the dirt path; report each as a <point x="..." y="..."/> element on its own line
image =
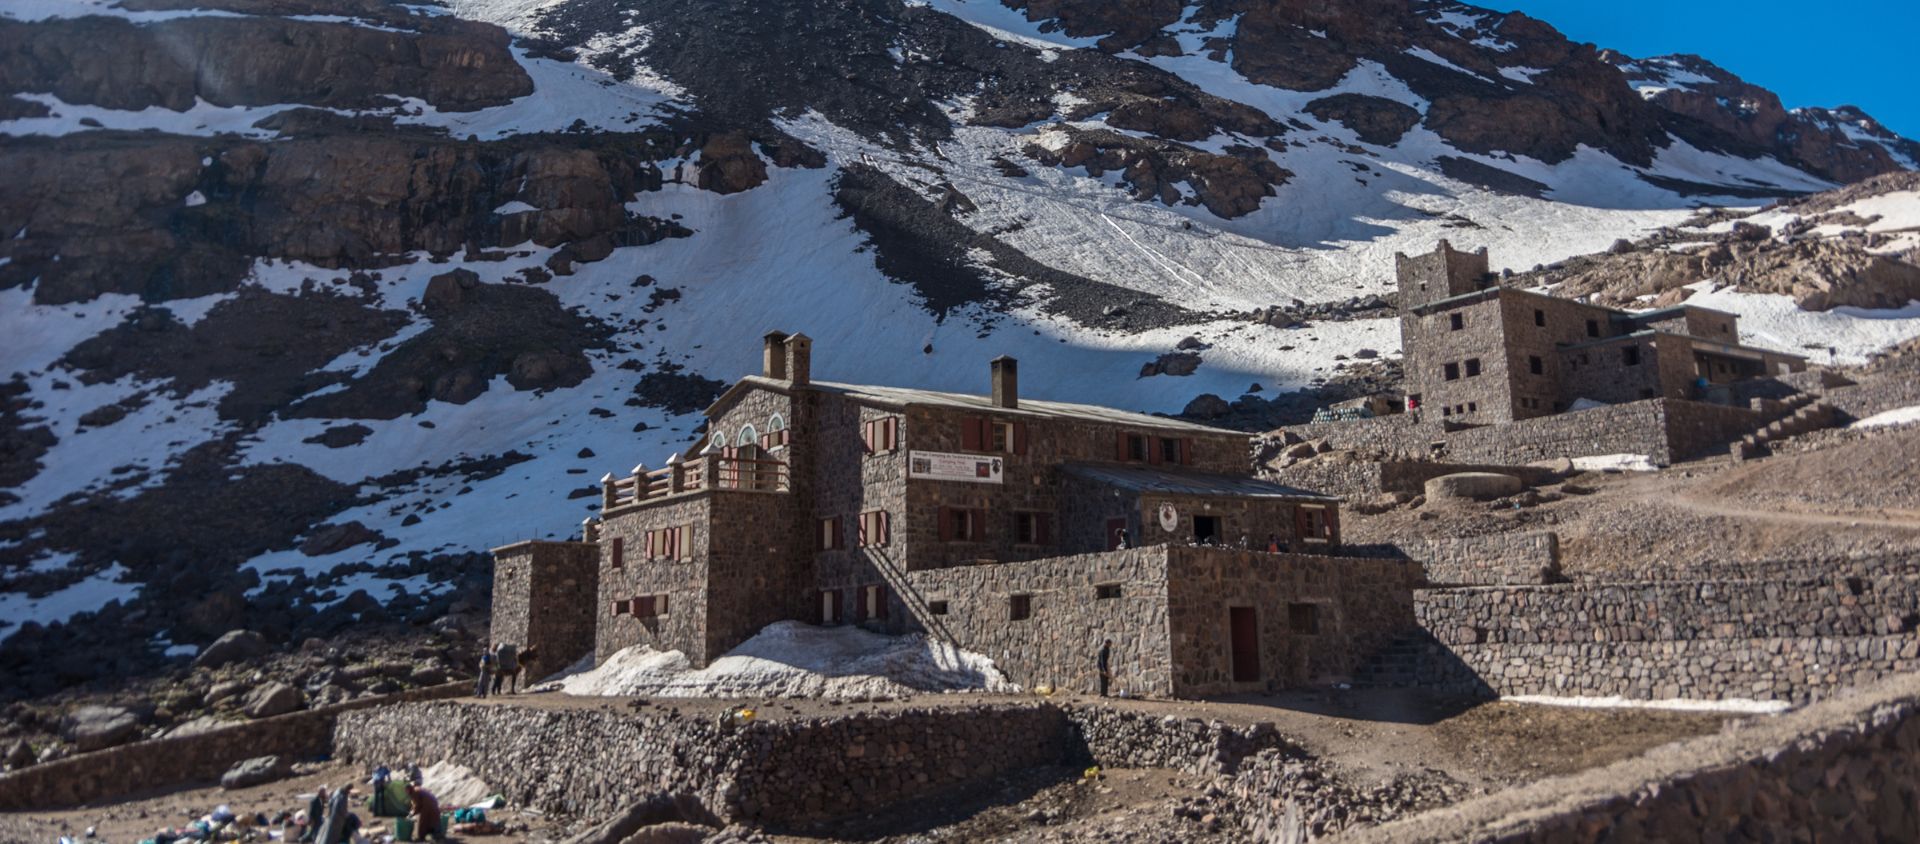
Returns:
<point x="1896" y="519"/>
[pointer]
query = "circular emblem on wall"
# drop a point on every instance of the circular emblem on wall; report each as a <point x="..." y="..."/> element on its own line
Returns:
<point x="1169" y="517"/>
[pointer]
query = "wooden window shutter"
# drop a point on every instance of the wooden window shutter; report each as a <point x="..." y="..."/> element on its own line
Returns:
<point x="619" y="552"/>
<point x="866" y="437"/>
<point x="683" y="541"/>
<point x="978" y="524"/>
<point x="1043" y="528"/>
<point x="641" y="607"/>
<point x="859" y="605"/>
<point x="1155" y="445"/>
<point x="860" y="535"/>
<point x="886" y="527"/>
<point x="1120" y="445"/>
<point x="890" y="427"/>
<point x="1019" y="438"/>
<point x="970" y="434"/>
<point x="880" y="601"/>
<point x="946" y="524"/>
<point x="1186" y="452"/>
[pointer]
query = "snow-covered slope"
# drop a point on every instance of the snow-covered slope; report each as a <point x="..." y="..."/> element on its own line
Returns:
<point x="985" y="184"/>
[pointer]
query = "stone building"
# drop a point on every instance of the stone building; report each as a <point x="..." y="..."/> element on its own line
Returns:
<point x="843" y="504"/>
<point x="543" y="595"/>
<point x="1480" y="354"/>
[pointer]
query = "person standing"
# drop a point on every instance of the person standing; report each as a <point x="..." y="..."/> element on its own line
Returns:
<point x="486" y="672"/>
<point x="506" y="664"/>
<point x="316" y="812"/>
<point x="1104" y="663"/>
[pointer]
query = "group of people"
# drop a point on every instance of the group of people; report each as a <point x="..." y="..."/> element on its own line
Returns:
<point x="329" y="816"/>
<point x="502" y="665"/>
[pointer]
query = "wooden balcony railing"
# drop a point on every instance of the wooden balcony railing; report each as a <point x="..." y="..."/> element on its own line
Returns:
<point x="705" y="472"/>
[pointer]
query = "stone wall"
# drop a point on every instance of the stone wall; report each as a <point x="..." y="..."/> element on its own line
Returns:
<point x="1766" y="640"/>
<point x="546" y="596"/>
<point x="1398" y="434"/>
<point x="594" y="760"/>
<point x="1520" y="558"/>
<point x="1355" y="479"/>
<point x="201" y="758"/>
<point x="1840" y="770"/>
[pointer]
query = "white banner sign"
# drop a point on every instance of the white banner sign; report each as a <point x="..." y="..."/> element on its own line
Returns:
<point x="941" y="466"/>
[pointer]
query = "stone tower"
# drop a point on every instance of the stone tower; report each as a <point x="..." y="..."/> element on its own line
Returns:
<point x="1441" y="274"/>
<point x="546" y="595"/>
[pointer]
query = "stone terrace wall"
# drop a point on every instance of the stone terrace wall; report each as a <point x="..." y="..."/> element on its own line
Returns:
<point x="1766" y="640"/>
<point x="1841" y="770"/>
<point x="1633" y="428"/>
<point x="1505" y="559"/>
<point x="1695" y="429"/>
<point x="107" y="774"/>
<point x="593" y="760"/>
<point x="1358" y="480"/>
<point x="1399" y="433"/>
<point x="1879" y="394"/>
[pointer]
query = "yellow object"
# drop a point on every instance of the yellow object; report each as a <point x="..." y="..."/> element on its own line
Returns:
<point x="1092" y="773"/>
<point x="1044" y="690"/>
<point x="745" y="714"/>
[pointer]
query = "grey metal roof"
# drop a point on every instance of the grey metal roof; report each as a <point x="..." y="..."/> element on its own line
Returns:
<point x="1186" y="482"/>
<point x="901" y="397"/>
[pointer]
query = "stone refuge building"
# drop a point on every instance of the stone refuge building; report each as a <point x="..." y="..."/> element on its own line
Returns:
<point x="1478" y="353"/>
<point x="1028" y="530"/>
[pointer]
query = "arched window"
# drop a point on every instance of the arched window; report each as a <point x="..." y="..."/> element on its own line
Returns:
<point x="748" y="436"/>
<point x="777" y="423"/>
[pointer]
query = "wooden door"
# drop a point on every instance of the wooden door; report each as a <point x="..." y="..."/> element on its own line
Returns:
<point x="1245" y="627"/>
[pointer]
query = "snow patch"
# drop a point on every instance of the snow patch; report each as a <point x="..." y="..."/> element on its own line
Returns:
<point x="1615" y="462"/>
<point x="790" y="659"/>
<point x="1888" y="418"/>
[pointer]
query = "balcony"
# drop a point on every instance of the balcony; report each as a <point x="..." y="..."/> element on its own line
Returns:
<point x="703" y="473"/>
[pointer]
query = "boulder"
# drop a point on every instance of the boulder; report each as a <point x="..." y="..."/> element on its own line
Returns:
<point x="99" y="727"/>
<point x="332" y="539"/>
<point x="19" y="755"/>
<point x="1478" y="486"/>
<point x="232" y="646"/>
<point x="274" y="699"/>
<point x="223" y="690"/>
<point x="260" y="769"/>
<point x="1207" y="406"/>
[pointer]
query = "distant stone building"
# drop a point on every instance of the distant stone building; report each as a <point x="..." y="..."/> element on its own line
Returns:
<point x="1477" y="353"/>
<point x="540" y="590"/>
<point x="847" y="504"/>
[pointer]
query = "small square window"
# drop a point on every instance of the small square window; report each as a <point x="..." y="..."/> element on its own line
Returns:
<point x="1630" y="355"/>
<point x="1473" y="407"/>
<point x="1304" y="619"/>
<point x="1593" y="328"/>
<point x="1457" y="321"/>
<point x="1446" y="411"/>
<point x="937" y="607"/>
<point x="1535" y="365"/>
<point x="1106" y="591"/>
<point x="1540" y="318"/>
<point x="1451" y="371"/>
<point x="1019" y="607"/>
<point x="1473" y="367"/>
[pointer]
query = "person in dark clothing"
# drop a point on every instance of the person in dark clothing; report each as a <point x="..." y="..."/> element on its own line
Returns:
<point x="425" y="810"/>
<point x="1105" y="664"/>
<point x="486" y="672"/>
<point x="506" y="664"/>
<point x="316" y="810"/>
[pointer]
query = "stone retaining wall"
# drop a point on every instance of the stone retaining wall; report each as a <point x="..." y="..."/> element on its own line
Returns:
<point x="1359" y="480"/>
<point x="108" y="774"/>
<point x="1665" y="430"/>
<point x="1505" y="559"/>
<point x="1767" y="640"/>
<point x="1842" y="770"/>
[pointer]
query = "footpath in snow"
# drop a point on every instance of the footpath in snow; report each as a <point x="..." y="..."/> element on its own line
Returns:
<point x="790" y="659"/>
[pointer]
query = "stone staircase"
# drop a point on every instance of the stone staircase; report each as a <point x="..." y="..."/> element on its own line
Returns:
<point x="1801" y="413"/>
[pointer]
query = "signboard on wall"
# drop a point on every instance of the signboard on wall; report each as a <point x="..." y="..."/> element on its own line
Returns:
<point x="943" y="466"/>
<point x="1169" y="517"/>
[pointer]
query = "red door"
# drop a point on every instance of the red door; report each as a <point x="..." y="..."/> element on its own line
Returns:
<point x="1245" y="628"/>
<point x="1116" y="532"/>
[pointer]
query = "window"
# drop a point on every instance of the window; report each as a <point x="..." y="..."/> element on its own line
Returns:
<point x="937" y="607"/>
<point x="1033" y="528"/>
<point x="1173" y="450"/>
<point x="1131" y="448"/>
<point x="982" y="434"/>
<point x="876" y="528"/>
<point x="620" y="607"/>
<point x="1312" y="523"/>
<point x="1451" y="371"/>
<point x="1106" y="591"/>
<point x="1455" y="322"/>
<point x="870" y="603"/>
<point x="1446" y="411"/>
<point x="619" y="552"/>
<point x="1019" y="607"/>
<point x="674" y="543"/>
<point x="650" y="606"/>
<point x="1593" y="328"/>
<point x="1304" y="619"/>
<point x="881" y="435"/>
<point x="748" y="436"/>
<point x="1473" y="367"/>
<point x="830" y="609"/>
<point x="1535" y="365"/>
<point x="1207" y="530"/>
<point x="960" y="524"/>
<point x="1630" y="355"/>
<point x="1540" y="318"/>
<point x="776" y="435"/>
<point x="1473" y="407"/>
<point x="828" y="536"/>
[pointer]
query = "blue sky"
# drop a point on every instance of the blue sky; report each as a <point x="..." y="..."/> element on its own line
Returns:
<point x="1859" y="51"/>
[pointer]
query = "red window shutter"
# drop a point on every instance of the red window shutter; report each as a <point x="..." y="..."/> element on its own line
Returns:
<point x="970" y="434"/>
<point x="619" y="552"/>
<point x="866" y="437"/>
<point x="890" y="432"/>
<point x="1186" y="452"/>
<point x="979" y="524"/>
<point x="880" y="602"/>
<point x="1154" y="447"/>
<point x="864" y="535"/>
<point x="886" y="527"/>
<point x="639" y="606"/>
<point x="946" y="524"/>
<point x="684" y="542"/>
<point x="859" y="605"/>
<point x="1043" y="528"/>
<point x="1120" y="446"/>
<point x="1019" y="438"/>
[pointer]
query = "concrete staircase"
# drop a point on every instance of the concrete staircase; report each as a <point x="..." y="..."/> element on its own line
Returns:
<point x="1802" y="413"/>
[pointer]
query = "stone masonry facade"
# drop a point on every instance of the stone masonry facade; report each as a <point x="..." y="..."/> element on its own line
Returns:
<point x="822" y="502"/>
<point x="539" y="592"/>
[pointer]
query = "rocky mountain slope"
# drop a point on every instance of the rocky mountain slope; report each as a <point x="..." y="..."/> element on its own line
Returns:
<point x="308" y="302"/>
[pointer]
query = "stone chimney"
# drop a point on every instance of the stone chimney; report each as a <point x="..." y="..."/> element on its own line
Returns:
<point x="1006" y="382"/>
<point x="774" y="355"/>
<point x="799" y="359"/>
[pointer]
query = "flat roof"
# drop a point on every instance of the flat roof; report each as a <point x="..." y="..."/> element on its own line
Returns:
<point x="903" y="397"/>
<point x="1186" y="482"/>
